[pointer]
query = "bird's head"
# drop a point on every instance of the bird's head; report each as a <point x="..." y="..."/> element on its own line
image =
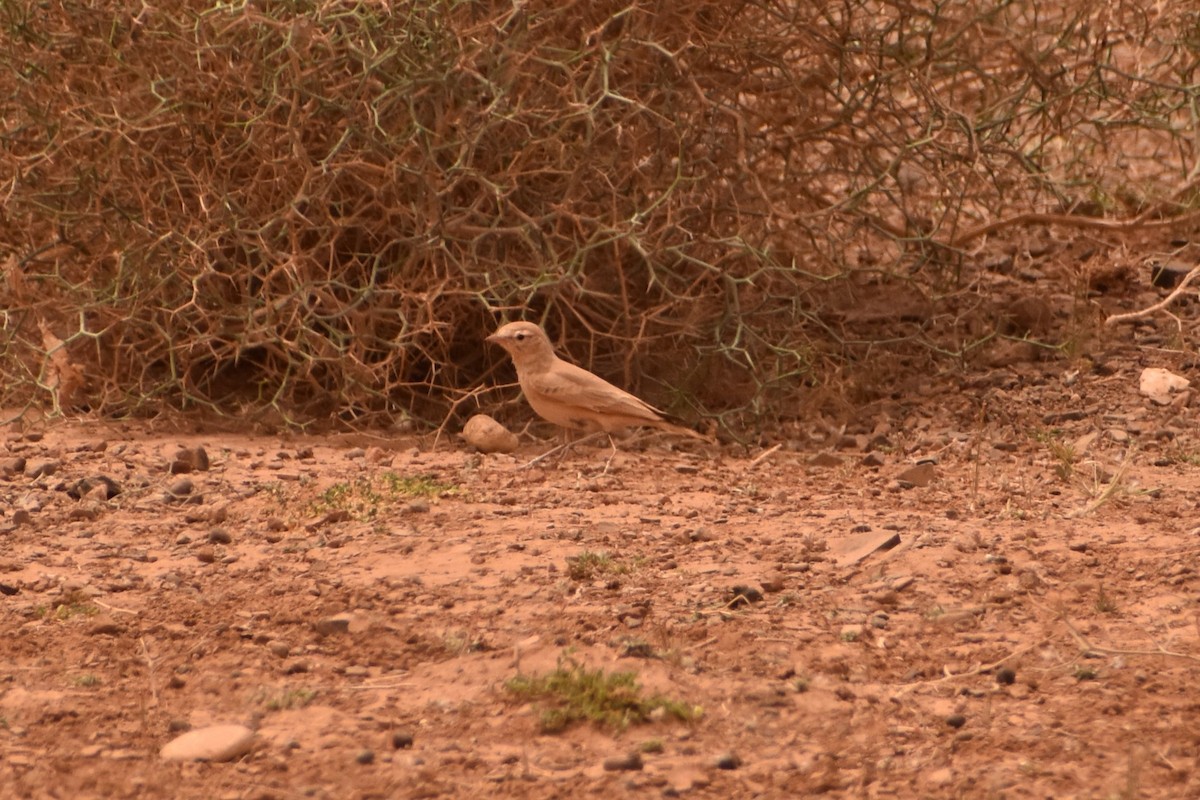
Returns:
<point x="524" y="341"/>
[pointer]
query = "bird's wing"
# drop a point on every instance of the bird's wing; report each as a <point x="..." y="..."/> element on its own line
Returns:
<point x="574" y="386"/>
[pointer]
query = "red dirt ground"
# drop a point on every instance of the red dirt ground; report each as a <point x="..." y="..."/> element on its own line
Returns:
<point x="1034" y="634"/>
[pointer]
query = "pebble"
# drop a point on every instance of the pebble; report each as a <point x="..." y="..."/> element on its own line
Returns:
<point x="729" y="760"/>
<point x="402" y="740"/>
<point x="825" y="460"/>
<point x="628" y="763"/>
<point x="219" y="536"/>
<point x="99" y="487"/>
<point x="12" y="466"/>
<point x="956" y="720"/>
<point x="773" y="584"/>
<point x="488" y="436"/>
<point x="339" y="623"/>
<point x="851" y="633"/>
<point x="365" y="757"/>
<point x="188" y="459"/>
<point x="105" y="627"/>
<point x="181" y="487"/>
<point x="22" y="517"/>
<point x="744" y="595"/>
<point x="872" y="460"/>
<point x="214" y="743"/>
<point x="295" y="667"/>
<point x="280" y="649"/>
<point x="42" y="468"/>
<point x="919" y="475"/>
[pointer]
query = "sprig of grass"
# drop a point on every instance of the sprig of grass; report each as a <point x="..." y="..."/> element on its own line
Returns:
<point x="572" y="693"/>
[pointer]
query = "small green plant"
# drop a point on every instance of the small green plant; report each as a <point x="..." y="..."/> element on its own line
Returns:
<point x="1062" y="452"/>
<point x="365" y="498"/>
<point x="86" y="680"/>
<point x="459" y="642"/>
<point x="588" y="565"/>
<point x="1085" y="674"/>
<point x="72" y="604"/>
<point x="1105" y="604"/>
<point x="417" y="485"/>
<point x="285" y="700"/>
<point x="652" y="746"/>
<point x="572" y="693"/>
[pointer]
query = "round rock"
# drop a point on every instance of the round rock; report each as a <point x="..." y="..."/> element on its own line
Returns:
<point x="488" y="436"/>
<point x="215" y="743"/>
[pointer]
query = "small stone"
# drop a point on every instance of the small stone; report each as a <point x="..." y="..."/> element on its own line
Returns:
<point x="851" y="633"/>
<point x="956" y="720"/>
<point x="11" y="466"/>
<point x="1005" y="676"/>
<point x="22" y="517"/>
<point x="339" y="623"/>
<point x="355" y="453"/>
<point x="219" y="536"/>
<point x="488" y="436"/>
<point x="206" y="555"/>
<point x="825" y="460"/>
<point x="773" y="584"/>
<point x="181" y="487"/>
<point x="744" y="595"/>
<point x="105" y="627"/>
<point x="627" y="763"/>
<point x="872" y="460"/>
<point x="42" y="468"/>
<point x="728" y="761"/>
<point x="188" y="459"/>
<point x="8" y="590"/>
<point x="99" y="487"/>
<point x="278" y="648"/>
<point x="297" y="667"/>
<point x="919" y="475"/>
<point x="365" y="757"/>
<point x="214" y="743"/>
<point x="402" y="740"/>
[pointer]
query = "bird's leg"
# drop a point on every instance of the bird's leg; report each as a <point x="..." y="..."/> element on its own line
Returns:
<point x="564" y="447"/>
<point x="611" y="456"/>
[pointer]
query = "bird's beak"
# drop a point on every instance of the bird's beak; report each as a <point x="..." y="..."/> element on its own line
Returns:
<point x="494" y="338"/>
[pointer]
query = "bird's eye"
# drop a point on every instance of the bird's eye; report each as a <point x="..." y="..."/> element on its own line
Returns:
<point x="520" y="337"/>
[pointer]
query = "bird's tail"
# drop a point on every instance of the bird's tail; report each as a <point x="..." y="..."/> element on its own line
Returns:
<point x="671" y="427"/>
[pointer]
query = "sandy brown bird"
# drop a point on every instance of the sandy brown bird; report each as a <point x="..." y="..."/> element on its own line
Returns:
<point x="570" y="396"/>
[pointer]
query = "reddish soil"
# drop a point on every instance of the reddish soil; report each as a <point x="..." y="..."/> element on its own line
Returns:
<point x="1034" y="633"/>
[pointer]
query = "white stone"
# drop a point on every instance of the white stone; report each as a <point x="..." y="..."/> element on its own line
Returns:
<point x="215" y="743"/>
<point x="1159" y="384"/>
<point x="488" y="436"/>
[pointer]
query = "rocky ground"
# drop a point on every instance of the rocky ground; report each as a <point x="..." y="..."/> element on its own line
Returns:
<point x="988" y="591"/>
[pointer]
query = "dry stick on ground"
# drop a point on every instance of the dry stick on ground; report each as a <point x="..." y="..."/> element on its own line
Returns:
<point x="150" y="666"/>
<point x="1104" y="496"/>
<point x="565" y="446"/>
<point x="1161" y="304"/>
<point x="763" y="456"/>
<point x="1086" y="646"/>
<point x="980" y="670"/>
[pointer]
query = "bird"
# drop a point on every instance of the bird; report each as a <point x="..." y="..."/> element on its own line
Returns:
<point x="570" y="396"/>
